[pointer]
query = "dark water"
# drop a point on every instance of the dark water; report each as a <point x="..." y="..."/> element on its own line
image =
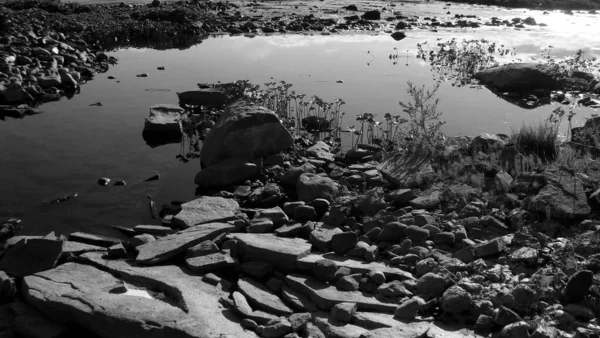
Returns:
<point x="72" y="144"/>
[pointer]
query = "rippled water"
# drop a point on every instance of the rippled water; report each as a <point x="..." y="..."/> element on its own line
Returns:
<point x="68" y="147"/>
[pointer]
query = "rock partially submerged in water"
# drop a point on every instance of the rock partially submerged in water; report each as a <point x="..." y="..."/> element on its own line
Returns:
<point x="520" y="77"/>
<point x="209" y="97"/>
<point x="226" y="173"/>
<point x="163" y="126"/>
<point x="245" y="131"/>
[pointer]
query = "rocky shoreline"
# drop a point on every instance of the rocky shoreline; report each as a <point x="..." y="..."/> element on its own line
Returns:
<point x="289" y="239"/>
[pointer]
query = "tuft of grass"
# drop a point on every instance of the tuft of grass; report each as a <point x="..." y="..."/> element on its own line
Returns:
<point x="537" y="140"/>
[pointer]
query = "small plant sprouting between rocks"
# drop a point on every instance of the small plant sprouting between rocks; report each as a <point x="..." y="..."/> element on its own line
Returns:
<point x="458" y="61"/>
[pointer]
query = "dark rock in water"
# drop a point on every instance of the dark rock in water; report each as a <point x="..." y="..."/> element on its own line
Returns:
<point x="63" y="198"/>
<point x="520" y="77"/>
<point x="9" y="228"/>
<point x="245" y="131"/>
<point x="154" y="177"/>
<point x="104" y="181"/>
<point x="315" y="123"/>
<point x="208" y="97"/>
<point x="163" y="124"/>
<point x="120" y="183"/>
<point x="372" y="15"/>
<point x="29" y="256"/>
<point x="351" y="8"/>
<point x="398" y="36"/>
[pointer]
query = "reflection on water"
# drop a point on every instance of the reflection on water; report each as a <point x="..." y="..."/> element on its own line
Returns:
<point x="67" y="148"/>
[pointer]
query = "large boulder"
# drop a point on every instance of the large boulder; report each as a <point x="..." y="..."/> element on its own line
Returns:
<point x="225" y="173"/>
<point x="563" y="196"/>
<point x="520" y="77"/>
<point x="246" y="131"/>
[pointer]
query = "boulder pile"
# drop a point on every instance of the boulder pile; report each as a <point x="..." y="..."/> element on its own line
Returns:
<point x="308" y="243"/>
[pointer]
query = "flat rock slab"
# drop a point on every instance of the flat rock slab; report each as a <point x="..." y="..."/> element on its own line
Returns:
<point x="163" y="118"/>
<point x="169" y="246"/>
<point x="418" y="330"/>
<point x="30" y="256"/>
<point x="355" y="266"/>
<point x="283" y="253"/>
<point x="152" y="229"/>
<point x="262" y="298"/>
<point x="207" y="263"/>
<point x="333" y="328"/>
<point x="326" y="296"/>
<point x="375" y="320"/>
<point x="84" y="237"/>
<point x="206" y="209"/>
<point x="76" y="248"/>
<point x="90" y="296"/>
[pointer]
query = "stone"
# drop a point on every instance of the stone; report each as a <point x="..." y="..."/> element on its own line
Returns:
<point x="491" y="248"/>
<point x="515" y="330"/>
<point x="416" y="233"/>
<point x="305" y="213"/>
<point x="578" y="285"/>
<point x="245" y="131"/>
<point x="241" y="303"/>
<point x="313" y="331"/>
<point x="290" y="177"/>
<point x="29" y="256"/>
<point x="211" y="279"/>
<point x="152" y="229"/>
<point x="401" y="197"/>
<point x="206" y="209"/>
<point x="525" y="255"/>
<point x="326" y="297"/>
<point x="431" y="284"/>
<point x="456" y="300"/>
<point x="320" y="150"/>
<point x="297" y="300"/>
<point x="260" y="226"/>
<point x="394" y="289"/>
<point x="506" y="316"/>
<point x="520" y="77"/>
<point x="348" y="283"/>
<point x="299" y="320"/>
<point x="393" y="232"/>
<point x="311" y="187"/>
<point x="407" y="310"/>
<point x="343" y="312"/>
<point x="172" y="245"/>
<point x="343" y="242"/>
<point x="283" y="253"/>
<point x="372" y="15"/>
<point x="262" y="298"/>
<point x="398" y="36"/>
<point x="8" y="288"/>
<point x="75" y="248"/>
<point x="257" y="269"/>
<point x="426" y="201"/>
<point x="91" y="297"/>
<point x="580" y="311"/>
<point x="484" y="324"/>
<point x="204" y="248"/>
<point x="34" y="325"/>
<point x="116" y="251"/>
<point x="376" y="276"/>
<point x="275" y="215"/>
<point x="324" y="269"/>
<point x="321" y="237"/>
<point x="333" y="328"/>
<point x="356" y="266"/>
<point x="228" y="172"/>
<point x="210" y="97"/>
<point x="503" y="181"/>
<point x="140" y="240"/>
<point x="278" y="329"/>
<point x="374" y="320"/>
<point x="164" y="118"/>
<point x="414" y="330"/>
<point x="563" y="196"/>
<point x="92" y="239"/>
<point x="210" y="262"/>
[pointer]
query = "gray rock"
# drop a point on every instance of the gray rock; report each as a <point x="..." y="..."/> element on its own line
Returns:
<point x="92" y="298"/>
<point x="262" y="298"/>
<point x="299" y="321"/>
<point x="515" y="330"/>
<point x="257" y="269"/>
<point x="202" y="249"/>
<point x="29" y="256"/>
<point x="563" y="196"/>
<point x="297" y="300"/>
<point x="393" y="289"/>
<point x="406" y="171"/>
<point x="321" y="237"/>
<point x="520" y="77"/>
<point x="279" y="328"/>
<point x="491" y="248"/>
<point x="426" y="201"/>
<point x="310" y="187"/>
<point x="140" y="240"/>
<point x="456" y="300"/>
<point x="324" y="269"/>
<point x="414" y="330"/>
<point x="343" y="242"/>
<point x="326" y="297"/>
<point x="484" y="324"/>
<point x="206" y="209"/>
<point x="172" y="245"/>
<point x="283" y="253"/>
<point x="225" y="173"/>
<point x="247" y="132"/>
<point x="348" y="283"/>
<point x="431" y="284"/>
<point x="164" y="118"/>
<point x="152" y="229"/>
<point x="210" y="262"/>
<point x="210" y="97"/>
<point x="343" y="312"/>
<point x="393" y="232"/>
<point x="86" y="238"/>
<point x="407" y="310"/>
<point x="305" y="213"/>
<point x="416" y="233"/>
<point x="333" y="328"/>
<point x="506" y="316"/>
